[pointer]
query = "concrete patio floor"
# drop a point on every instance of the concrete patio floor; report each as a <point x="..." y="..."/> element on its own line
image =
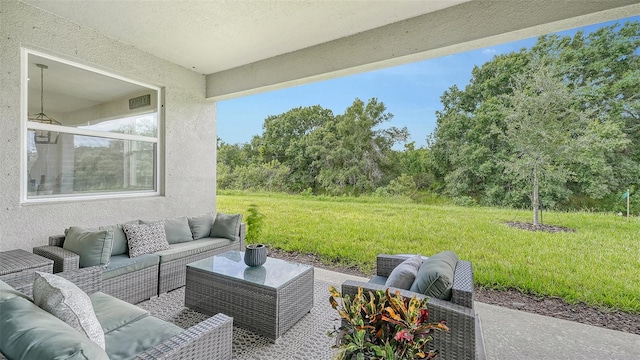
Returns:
<point x="512" y="334"/>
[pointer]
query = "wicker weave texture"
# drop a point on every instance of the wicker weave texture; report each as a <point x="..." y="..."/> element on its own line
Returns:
<point x="173" y="274"/>
<point x="21" y="265"/>
<point x="459" y="342"/>
<point x="462" y="291"/>
<point x="63" y="260"/>
<point x="135" y="286"/>
<point x="88" y="280"/>
<point x="56" y="240"/>
<point x="464" y="340"/>
<point x="210" y="339"/>
<point x="266" y="311"/>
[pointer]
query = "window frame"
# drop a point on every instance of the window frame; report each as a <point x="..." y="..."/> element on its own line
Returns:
<point x="26" y="126"/>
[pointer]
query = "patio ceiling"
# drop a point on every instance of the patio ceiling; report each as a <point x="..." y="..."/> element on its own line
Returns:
<point x="245" y="47"/>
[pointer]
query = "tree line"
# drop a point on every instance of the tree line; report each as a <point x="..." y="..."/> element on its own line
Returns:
<point x="556" y="125"/>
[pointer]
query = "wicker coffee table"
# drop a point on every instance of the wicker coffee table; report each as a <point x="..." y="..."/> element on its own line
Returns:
<point x="267" y="300"/>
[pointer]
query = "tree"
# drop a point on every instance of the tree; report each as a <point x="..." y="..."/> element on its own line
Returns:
<point x="286" y="139"/>
<point x="473" y="151"/>
<point x="468" y="145"/>
<point x="541" y="121"/>
<point x="352" y="152"/>
<point x="417" y="164"/>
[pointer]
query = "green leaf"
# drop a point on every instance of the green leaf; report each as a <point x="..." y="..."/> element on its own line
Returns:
<point x="389" y="352"/>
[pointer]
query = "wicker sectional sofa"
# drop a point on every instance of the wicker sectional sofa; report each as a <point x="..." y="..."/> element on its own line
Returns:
<point x="29" y="332"/>
<point x="464" y="340"/>
<point x="135" y="279"/>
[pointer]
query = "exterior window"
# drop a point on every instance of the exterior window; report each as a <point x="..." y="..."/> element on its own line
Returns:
<point x="88" y="133"/>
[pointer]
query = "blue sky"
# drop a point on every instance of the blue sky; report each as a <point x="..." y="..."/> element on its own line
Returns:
<point x="410" y="92"/>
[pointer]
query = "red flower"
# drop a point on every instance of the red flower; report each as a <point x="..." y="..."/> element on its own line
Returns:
<point x="404" y="335"/>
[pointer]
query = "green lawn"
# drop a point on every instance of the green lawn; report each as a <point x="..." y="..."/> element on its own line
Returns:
<point x="599" y="264"/>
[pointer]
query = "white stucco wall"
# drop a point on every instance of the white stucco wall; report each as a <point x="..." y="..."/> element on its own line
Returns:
<point x="189" y="157"/>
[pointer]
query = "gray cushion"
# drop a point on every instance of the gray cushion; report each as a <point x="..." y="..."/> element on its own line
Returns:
<point x="201" y="226"/>
<point x="119" y="238"/>
<point x="114" y="313"/>
<point x="226" y="226"/>
<point x="130" y="340"/>
<point x="435" y="276"/>
<point x="177" y="230"/>
<point x="28" y="332"/>
<point x="63" y="299"/>
<point x="179" y="251"/>
<point x="404" y="274"/>
<point x="93" y="246"/>
<point x="145" y="238"/>
<point x="123" y="264"/>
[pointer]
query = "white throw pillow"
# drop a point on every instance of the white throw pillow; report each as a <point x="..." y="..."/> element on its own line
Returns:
<point x="145" y="238"/>
<point x="405" y="273"/>
<point x="64" y="300"/>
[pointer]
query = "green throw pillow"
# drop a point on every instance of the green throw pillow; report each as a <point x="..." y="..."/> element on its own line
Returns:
<point x="201" y="226"/>
<point x="119" y="238"/>
<point x="435" y="276"/>
<point x="177" y="230"/>
<point x="226" y="226"/>
<point x="93" y="246"/>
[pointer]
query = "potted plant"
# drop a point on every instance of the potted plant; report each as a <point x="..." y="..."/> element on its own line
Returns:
<point x="383" y="326"/>
<point x="255" y="254"/>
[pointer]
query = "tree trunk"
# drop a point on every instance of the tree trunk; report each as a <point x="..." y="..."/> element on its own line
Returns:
<point x="535" y="198"/>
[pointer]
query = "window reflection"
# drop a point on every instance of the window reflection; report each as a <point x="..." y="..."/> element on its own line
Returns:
<point x="104" y="140"/>
<point x="144" y="125"/>
<point x="80" y="164"/>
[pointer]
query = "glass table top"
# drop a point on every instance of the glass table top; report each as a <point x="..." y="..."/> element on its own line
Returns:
<point x="274" y="273"/>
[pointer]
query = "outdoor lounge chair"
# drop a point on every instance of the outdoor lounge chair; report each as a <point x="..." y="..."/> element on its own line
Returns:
<point x="464" y="340"/>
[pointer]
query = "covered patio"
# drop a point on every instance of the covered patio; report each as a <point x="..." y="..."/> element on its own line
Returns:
<point x="193" y="54"/>
<point x="189" y="56"/>
<point x="508" y="334"/>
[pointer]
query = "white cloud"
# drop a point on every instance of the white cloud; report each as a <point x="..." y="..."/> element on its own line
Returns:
<point x="489" y="51"/>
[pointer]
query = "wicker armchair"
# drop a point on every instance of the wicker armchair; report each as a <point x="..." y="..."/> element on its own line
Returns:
<point x="210" y="339"/>
<point x="464" y="340"/>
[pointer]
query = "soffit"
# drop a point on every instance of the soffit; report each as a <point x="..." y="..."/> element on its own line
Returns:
<point x="212" y="36"/>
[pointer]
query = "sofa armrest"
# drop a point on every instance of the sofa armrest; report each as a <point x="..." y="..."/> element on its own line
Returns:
<point x="87" y="279"/>
<point x="56" y="240"/>
<point x="462" y="290"/>
<point x="210" y="339"/>
<point x="458" y="342"/>
<point x="63" y="260"/>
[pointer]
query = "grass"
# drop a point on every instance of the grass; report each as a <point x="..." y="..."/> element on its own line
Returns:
<point x="599" y="264"/>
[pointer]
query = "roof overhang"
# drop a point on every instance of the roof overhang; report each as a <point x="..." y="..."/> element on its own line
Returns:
<point x="245" y="47"/>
